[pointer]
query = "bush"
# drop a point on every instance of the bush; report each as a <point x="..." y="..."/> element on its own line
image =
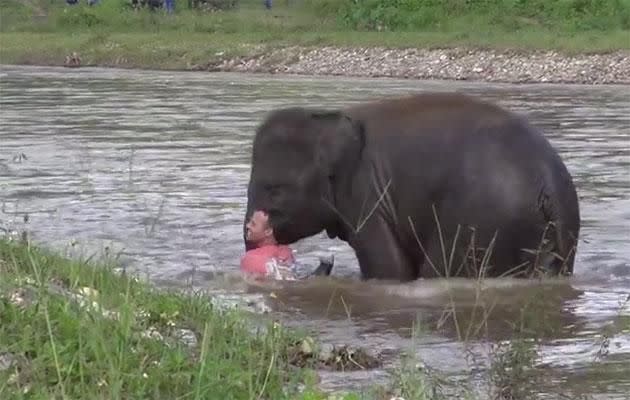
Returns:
<point x="399" y="15"/>
<point x="215" y="4"/>
<point x="80" y="17"/>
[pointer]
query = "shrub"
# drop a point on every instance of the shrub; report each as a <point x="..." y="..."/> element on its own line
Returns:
<point x="399" y="15"/>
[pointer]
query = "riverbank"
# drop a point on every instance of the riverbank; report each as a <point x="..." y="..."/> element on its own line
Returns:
<point x="533" y="42"/>
<point x="72" y="329"/>
<point x="83" y="329"/>
<point x="447" y="64"/>
<point x="236" y="54"/>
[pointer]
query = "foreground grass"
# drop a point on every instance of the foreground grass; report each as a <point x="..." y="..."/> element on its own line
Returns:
<point x="105" y="344"/>
<point x="42" y="32"/>
<point x="79" y="329"/>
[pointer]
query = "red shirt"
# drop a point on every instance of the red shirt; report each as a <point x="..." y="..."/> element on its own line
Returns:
<point x="255" y="261"/>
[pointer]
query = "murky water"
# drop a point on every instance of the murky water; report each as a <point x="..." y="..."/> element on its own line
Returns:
<point x="155" y="165"/>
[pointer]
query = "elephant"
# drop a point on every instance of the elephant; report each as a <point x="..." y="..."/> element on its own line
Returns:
<point x="426" y="185"/>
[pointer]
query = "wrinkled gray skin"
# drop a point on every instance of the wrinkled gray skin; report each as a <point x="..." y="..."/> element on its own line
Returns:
<point x="379" y="176"/>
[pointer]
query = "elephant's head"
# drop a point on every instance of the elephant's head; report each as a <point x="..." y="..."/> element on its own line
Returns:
<point x="300" y="159"/>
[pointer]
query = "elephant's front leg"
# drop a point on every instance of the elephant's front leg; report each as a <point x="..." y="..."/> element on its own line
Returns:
<point x="379" y="252"/>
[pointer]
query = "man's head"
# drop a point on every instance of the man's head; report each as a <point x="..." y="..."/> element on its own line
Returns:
<point x="259" y="230"/>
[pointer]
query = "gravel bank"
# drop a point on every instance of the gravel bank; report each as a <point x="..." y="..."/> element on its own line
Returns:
<point x="453" y="64"/>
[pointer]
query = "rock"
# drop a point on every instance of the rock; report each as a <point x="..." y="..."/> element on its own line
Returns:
<point x="7" y="360"/>
<point x="457" y="63"/>
<point x="23" y="297"/>
<point x="152" y="333"/>
<point x="252" y="303"/>
<point x="326" y="351"/>
<point x="88" y="292"/>
<point x="261" y="307"/>
<point x="187" y="337"/>
<point x="307" y="345"/>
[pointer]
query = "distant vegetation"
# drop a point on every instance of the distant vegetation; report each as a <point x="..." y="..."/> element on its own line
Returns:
<point x="508" y="15"/>
<point x="464" y="16"/>
<point x="200" y="32"/>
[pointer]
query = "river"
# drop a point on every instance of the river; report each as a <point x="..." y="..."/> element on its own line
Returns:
<point x="154" y="166"/>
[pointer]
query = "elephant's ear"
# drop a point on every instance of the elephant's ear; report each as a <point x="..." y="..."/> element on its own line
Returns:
<point x="340" y="143"/>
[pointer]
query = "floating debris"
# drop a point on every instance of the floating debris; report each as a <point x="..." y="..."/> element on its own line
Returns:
<point x="328" y="356"/>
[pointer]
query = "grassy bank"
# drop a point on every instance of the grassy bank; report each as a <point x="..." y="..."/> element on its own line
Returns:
<point x="71" y="329"/>
<point x="74" y="329"/>
<point x="44" y="32"/>
<point x="79" y="329"/>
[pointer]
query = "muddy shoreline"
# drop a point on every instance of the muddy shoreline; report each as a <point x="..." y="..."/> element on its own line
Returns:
<point x="454" y="64"/>
<point x="501" y="66"/>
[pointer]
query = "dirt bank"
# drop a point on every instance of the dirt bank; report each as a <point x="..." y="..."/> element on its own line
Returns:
<point x="453" y="64"/>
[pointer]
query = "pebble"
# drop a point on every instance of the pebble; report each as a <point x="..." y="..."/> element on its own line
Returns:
<point x="23" y="297"/>
<point x="250" y="303"/>
<point x="6" y="361"/>
<point x="187" y="337"/>
<point x="326" y="351"/>
<point x="506" y="66"/>
<point x="152" y="333"/>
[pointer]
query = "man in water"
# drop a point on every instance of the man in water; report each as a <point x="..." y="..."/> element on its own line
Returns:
<point x="269" y="259"/>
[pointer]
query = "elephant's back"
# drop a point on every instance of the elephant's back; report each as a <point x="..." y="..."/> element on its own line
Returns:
<point x="452" y="133"/>
<point x="429" y="140"/>
<point x="436" y="120"/>
<point x="427" y="109"/>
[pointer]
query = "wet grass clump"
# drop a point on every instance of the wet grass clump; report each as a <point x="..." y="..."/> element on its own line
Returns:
<point x="333" y="358"/>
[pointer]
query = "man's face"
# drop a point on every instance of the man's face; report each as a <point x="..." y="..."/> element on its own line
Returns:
<point x="258" y="228"/>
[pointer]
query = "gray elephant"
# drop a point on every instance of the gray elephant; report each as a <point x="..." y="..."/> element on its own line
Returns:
<point x="429" y="185"/>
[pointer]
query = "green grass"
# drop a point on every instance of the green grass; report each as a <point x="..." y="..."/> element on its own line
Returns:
<point x="136" y="50"/>
<point x="506" y="15"/>
<point x="44" y="32"/>
<point x="64" y="350"/>
<point x="99" y="345"/>
<point x="79" y="329"/>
